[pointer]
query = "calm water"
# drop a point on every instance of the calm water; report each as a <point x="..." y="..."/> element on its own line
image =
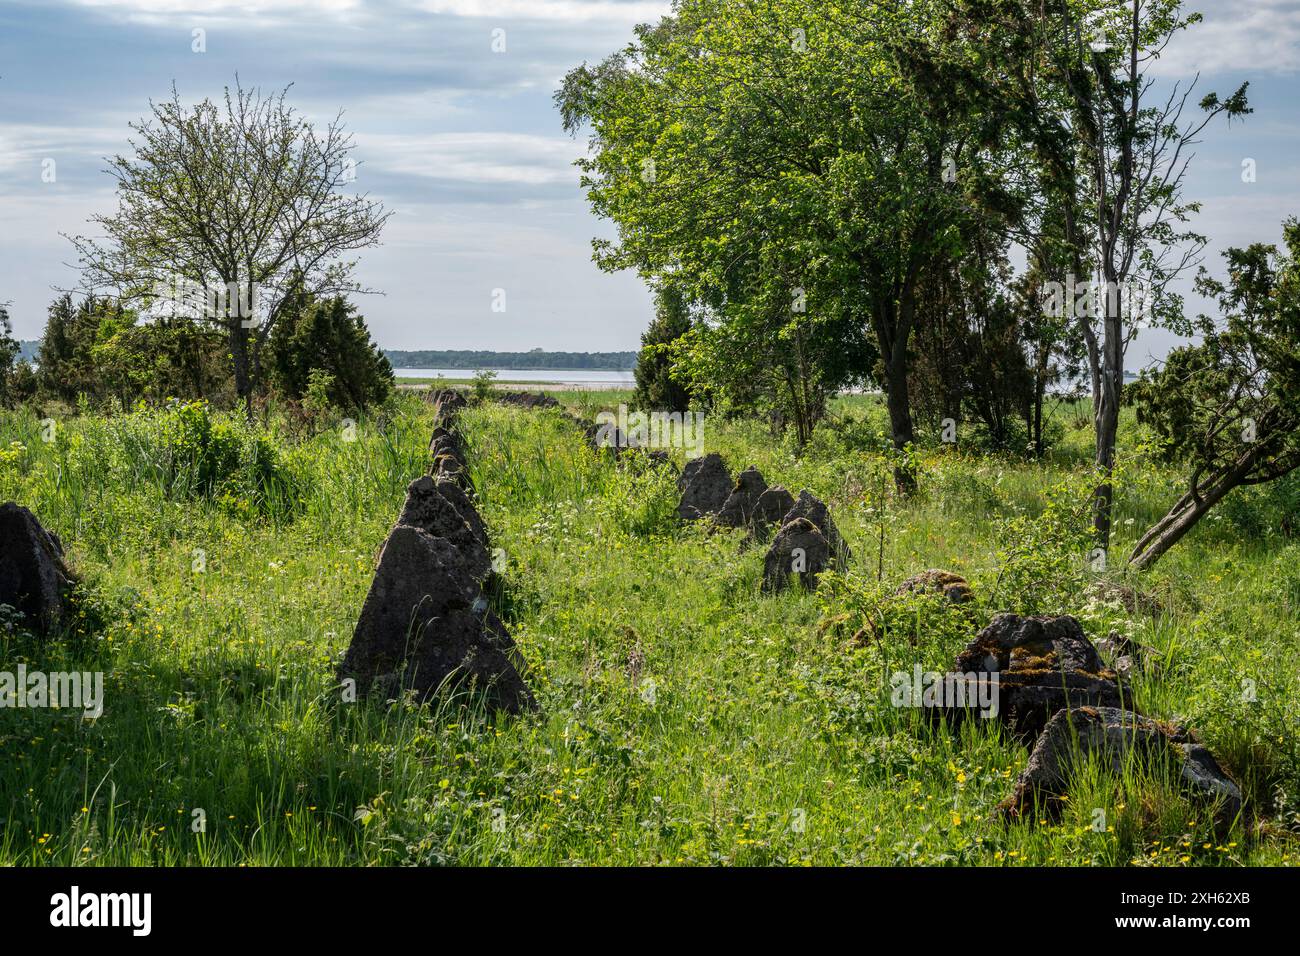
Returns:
<point x="558" y="376"/>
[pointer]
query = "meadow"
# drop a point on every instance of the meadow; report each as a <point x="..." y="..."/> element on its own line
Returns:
<point x="685" y="718"/>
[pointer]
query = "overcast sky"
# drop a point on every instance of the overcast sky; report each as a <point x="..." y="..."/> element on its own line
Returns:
<point x="465" y="144"/>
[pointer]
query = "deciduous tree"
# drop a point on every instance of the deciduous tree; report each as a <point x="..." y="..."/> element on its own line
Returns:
<point x="233" y="205"/>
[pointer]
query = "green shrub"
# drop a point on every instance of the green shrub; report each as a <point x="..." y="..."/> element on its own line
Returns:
<point x="321" y="349"/>
<point x="483" y="379"/>
<point x="1264" y="510"/>
<point x="839" y="436"/>
<point x="222" y="458"/>
<point x="198" y="453"/>
<point x="1044" y="559"/>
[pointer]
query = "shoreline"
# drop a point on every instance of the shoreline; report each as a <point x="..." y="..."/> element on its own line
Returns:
<point x="423" y="385"/>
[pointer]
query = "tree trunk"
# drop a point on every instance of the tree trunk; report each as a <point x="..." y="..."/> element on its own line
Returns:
<point x="1107" y="427"/>
<point x="239" y="358"/>
<point x="900" y="414"/>
<point x="796" y="408"/>
<point x="1106" y="412"/>
<point x="1189" y="509"/>
<point x="1040" y="390"/>
<point x="892" y="315"/>
<point x="894" y="328"/>
<point x="803" y="397"/>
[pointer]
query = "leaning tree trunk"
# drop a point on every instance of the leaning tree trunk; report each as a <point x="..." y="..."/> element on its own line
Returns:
<point x="1189" y="509"/>
<point x="1170" y="529"/>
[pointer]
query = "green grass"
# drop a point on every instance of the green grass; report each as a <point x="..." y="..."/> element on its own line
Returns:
<point x="684" y="717"/>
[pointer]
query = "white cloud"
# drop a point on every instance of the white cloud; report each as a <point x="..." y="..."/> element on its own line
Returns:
<point x="440" y="264"/>
<point x="219" y="8"/>
<point x="396" y="109"/>
<point x="1262" y="36"/>
<point x="485" y="157"/>
<point x="23" y="147"/>
<point x="266" y="11"/>
<point x="36" y="218"/>
<point x="1238" y="220"/>
<point x="635" y="11"/>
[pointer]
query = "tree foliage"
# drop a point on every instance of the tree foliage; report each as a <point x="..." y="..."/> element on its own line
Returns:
<point x="657" y="387"/>
<point x="328" y="337"/>
<point x="790" y="166"/>
<point x="97" y="350"/>
<point x="14" y="375"/>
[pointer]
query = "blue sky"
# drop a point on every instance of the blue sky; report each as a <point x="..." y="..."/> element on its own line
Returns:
<point x="465" y="145"/>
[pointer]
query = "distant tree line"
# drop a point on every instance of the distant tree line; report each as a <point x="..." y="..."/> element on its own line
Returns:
<point x="535" y="359"/>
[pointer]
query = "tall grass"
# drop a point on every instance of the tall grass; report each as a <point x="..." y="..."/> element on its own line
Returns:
<point x="684" y="718"/>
